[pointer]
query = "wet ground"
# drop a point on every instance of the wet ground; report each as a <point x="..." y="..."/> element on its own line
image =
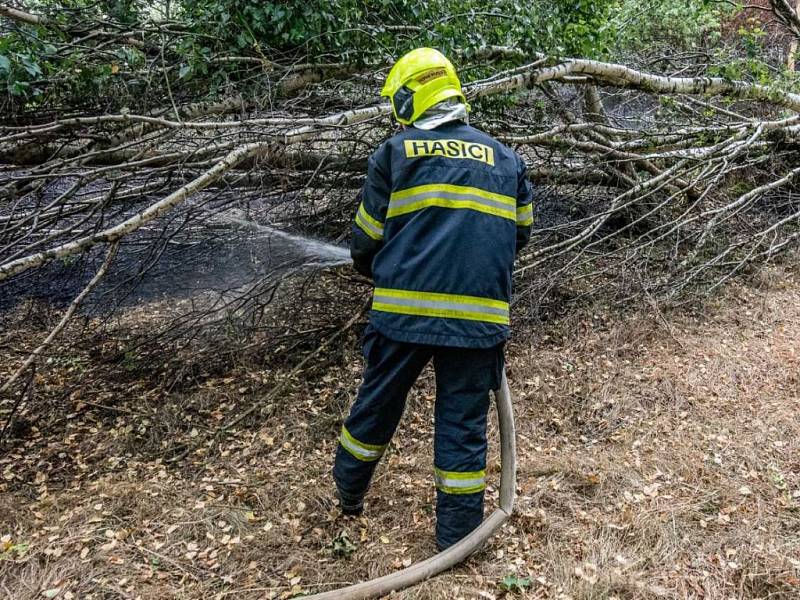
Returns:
<point x="212" y="243"/>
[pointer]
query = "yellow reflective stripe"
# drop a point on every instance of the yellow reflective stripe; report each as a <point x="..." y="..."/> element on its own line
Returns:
<point x="360" y="450"/>
<point x="368" y="218"/>
<point x="445" y="195"/>
<point x="372" y="227"/>
<point x="525" y="215"/>
<point x="366" y="228"/>
<point x="454" y="189"/>
<point x="440" y="313"/>
<point x="460" y="482"/>
<point x="460" y="298"/>
<point x="448" y="203"/>
<point x="432" y="304"/>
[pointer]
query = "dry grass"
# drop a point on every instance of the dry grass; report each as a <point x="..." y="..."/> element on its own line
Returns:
<point x="659" y="458"/>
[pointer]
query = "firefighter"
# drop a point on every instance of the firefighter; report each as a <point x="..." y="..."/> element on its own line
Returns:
<point x="443" y="213"/>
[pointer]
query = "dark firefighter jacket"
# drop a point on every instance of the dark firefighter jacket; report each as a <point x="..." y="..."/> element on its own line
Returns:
<point x="443" y="213"/>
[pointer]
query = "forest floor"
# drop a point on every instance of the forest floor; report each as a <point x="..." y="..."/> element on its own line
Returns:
<point x="659" y="457"/>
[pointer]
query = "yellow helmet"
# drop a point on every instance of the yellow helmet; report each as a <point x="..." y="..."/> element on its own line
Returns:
<point x="417" y="81"/>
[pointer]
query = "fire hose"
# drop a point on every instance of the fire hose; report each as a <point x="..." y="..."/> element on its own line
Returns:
<point x="474" y="541"/>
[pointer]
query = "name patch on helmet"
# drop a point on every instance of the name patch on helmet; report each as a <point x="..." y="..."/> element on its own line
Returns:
<point x="432" y="74"/>
<point x="450" y="149"/>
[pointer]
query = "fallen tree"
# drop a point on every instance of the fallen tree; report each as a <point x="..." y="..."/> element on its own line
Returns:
<point x="654" y="184"/>
<point x="643" y="163"/>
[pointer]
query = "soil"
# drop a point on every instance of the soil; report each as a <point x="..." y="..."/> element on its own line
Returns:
<point x="659" y="457"/>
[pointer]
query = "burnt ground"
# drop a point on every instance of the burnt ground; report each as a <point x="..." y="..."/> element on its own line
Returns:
<point x="220" y="245"/>
<point x="659" y="457"/>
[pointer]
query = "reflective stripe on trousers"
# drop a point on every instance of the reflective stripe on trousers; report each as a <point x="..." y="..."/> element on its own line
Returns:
<point x="360" y="450"/>
<point x="465" y="482"/>
<point x="434" y="304"/>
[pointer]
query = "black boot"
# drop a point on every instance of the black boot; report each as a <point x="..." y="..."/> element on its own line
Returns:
<point x="350" y="505"/>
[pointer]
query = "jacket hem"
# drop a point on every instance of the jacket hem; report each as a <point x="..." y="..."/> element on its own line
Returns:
<point x="431" y="339"/>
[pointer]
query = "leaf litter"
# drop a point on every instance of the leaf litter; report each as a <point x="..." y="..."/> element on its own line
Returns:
<point x="653" y="464"/>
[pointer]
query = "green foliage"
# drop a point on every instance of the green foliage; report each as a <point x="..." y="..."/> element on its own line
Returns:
<point x="10" y="550"/>
<point x="739" y="187"/>
<point x="40" y="65"/>
<point x="348" y="29"/>
<point x="751" y="62"/>
<point x="514" y="584"/>
<point x="342" y="546"/>
<point x="21" y="64"/>
<point x="644" y="25"/>
<point x="752" y="38"/>
<point x="122" y="11"/>
<point x="32" y="58"/>
<point x="578" y="28"/>
<point x="239" y="26"/>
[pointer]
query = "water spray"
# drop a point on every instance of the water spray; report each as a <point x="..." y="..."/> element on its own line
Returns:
<point x="315" y="253"/>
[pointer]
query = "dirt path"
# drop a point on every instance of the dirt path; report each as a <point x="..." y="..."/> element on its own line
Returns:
<point x="660" y="458"/>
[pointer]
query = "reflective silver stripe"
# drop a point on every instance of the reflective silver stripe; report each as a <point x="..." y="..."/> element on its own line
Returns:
<point x="451" y="196"/>
<point x="441" y="305"/>
<point x="359" y="452"/>
<point x="458" y="483"/>
<point x="525" y="215"/>
<point x="365" y="452"/>
<point x="370" y="226"/>
<point x="455" y="482"/>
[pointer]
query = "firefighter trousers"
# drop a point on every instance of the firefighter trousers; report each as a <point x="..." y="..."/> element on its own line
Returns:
<point x="464" y="378"/>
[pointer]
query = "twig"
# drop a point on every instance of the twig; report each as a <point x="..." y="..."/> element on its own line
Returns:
<point x="277" y="389"/>
<point x="25" y="394"/>
<point x="112" y="252"/>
